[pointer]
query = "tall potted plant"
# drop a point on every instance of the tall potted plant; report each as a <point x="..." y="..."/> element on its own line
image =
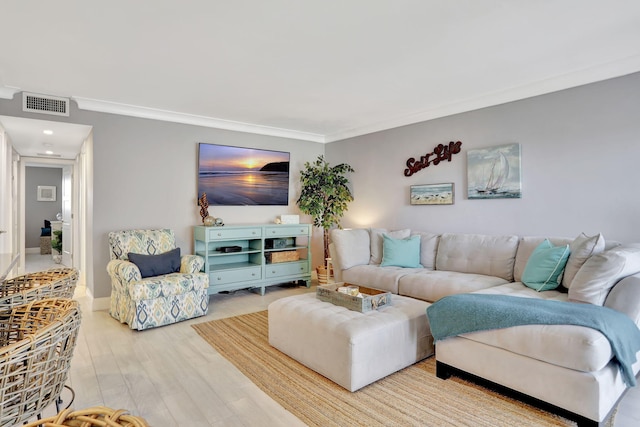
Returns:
<point x="325" y="195"/>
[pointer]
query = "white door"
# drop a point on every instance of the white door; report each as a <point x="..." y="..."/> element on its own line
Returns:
<point x="67" y="216"/>
<point x="6" y="234"/>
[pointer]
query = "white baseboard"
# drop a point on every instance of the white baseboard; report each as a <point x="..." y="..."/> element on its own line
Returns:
<point x="98" y="304"/>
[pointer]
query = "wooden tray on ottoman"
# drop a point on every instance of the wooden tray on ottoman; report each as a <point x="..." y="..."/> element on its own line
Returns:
<point x="373" y="298"/>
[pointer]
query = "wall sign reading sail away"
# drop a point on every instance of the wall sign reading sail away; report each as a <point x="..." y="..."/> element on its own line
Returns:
<point x="494" y="172"/>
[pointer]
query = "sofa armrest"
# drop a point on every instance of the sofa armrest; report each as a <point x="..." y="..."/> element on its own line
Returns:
<point x="625" y="297"/>
<point x="190" y="264"/>
<point x="335" y="263"/>
<point x="123" y="272"/>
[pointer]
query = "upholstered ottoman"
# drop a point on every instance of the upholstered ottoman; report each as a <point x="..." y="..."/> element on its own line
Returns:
<point x="350" y="348"/>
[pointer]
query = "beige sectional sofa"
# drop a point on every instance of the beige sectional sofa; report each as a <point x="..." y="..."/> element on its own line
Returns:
<point x="570" y="369"/>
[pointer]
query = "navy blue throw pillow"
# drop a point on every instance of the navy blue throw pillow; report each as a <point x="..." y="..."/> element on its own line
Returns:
<point x="156" y="265"/>
<point x="45" y="231"/>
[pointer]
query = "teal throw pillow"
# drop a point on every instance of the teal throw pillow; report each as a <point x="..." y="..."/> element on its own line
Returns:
<point x="545" y="266"/>
<point x="401" y="252"/>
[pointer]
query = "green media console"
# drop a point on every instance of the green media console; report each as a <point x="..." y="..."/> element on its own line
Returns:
<point x="254" y="256"/>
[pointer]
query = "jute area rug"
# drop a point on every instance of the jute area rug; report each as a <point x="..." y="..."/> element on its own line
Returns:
<point x="413" y="396"/>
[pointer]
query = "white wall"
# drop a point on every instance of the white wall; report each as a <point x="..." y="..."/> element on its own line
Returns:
<point x="580" y="167"/>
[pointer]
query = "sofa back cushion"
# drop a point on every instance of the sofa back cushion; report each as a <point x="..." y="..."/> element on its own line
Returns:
<point x="352" y="247"/>
<point x="477" y="254"/>
<point x="526" y="245"/>
<point x="428" y="248"/>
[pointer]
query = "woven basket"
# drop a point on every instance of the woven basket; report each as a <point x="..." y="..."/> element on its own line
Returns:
<point x="96" y="416"/>
<point x="37" y="342"/>
<point x="53" y="283"/>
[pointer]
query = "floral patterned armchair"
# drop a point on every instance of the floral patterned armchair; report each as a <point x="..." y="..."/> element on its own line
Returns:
<point x="179" y="293"/>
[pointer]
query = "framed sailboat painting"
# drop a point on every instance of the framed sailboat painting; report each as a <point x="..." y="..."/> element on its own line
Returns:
<point x="494" y="172"/>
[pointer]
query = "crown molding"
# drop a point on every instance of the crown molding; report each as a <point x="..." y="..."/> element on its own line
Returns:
<point x="190" y="119"/>
<point x="595" y="74"/>
<point x="7" y="92"/>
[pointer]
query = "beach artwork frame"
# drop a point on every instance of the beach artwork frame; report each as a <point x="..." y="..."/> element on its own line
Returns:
<point x="432" y="194"/>
<point x="240" y="176"/>
<point x="494" y="172"/>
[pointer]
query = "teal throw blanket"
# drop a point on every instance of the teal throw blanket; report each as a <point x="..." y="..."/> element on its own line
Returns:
<point x="459" y="314"/>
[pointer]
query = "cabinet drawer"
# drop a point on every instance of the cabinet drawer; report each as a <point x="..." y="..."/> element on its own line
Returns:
<point x="237" y="233"/>
<point x="231" y="276"/>
<point x="286" y="230"/>
<point x="286" y="269"/>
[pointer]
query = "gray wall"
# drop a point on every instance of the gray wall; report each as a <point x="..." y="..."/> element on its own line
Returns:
<point x="580" y="151"/>
<point x="580" y="167"/>
<point x="145" y="175"/>
<point x="36" y="212"/>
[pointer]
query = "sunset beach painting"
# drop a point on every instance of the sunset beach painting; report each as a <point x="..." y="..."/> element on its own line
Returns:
<point x="237" y="176"/>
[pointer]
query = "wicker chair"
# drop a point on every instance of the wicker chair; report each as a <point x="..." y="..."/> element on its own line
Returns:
<point x="53" y="283"/>
<point x="37" y="342"/>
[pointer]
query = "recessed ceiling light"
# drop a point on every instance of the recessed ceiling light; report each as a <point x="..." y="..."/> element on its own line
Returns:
<point x="47" y="132"/>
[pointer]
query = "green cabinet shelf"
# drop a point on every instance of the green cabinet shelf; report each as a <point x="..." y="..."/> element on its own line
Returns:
<point x="239" y="256"/>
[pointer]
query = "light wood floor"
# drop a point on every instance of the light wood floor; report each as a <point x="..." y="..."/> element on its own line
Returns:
<point x="172" y="377"/>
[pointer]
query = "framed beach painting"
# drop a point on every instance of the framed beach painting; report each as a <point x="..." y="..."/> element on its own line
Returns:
<point x="494" y="172"/>
<point x="239" y="176"/>
<point x="432" y="194"/>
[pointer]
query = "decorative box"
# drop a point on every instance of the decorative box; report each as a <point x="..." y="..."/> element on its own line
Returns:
<point x="289" y="219"/>
<point x="372" y="299"/>
<point x="282" y="256"/>
<point x="278" y="243"/>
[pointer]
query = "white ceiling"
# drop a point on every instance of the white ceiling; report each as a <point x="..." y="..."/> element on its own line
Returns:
<point x="314" y="70"/>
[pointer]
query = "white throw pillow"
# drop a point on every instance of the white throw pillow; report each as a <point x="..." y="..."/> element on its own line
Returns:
<point x="352" y="247"/>
<point x="581" y="249"/>
<point x="428" y="248"/>
<point x="376" y="241"/>
<point x="601" y="272"/>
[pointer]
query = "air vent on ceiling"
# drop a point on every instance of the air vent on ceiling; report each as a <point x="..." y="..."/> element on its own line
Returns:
<point x="45" y="104"/>
<point x="49" y="155"/>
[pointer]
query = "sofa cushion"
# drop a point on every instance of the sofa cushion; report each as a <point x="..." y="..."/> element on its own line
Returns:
<point x="477" y="254"/>
<point x="167" y="286"/>
<point x="431" y="285"/>
<point x="428" y="248"/>
<point x="374" y="276"/>
<point x="581" y="249"/>
<point x="377" y="241"/>
<point x="526" y="245"/>
<point x="352" y="246"/>
<point x="518" y="289"/>
<point x="545" y="266"/>
<point x="156" y="265"/>
<point x="602" y="271"/>
<point x="401" y="252"/>
<point x="574" y="347"/>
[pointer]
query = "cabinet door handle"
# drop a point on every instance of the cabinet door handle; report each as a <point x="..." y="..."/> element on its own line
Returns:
<point x="219" y="278"/>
